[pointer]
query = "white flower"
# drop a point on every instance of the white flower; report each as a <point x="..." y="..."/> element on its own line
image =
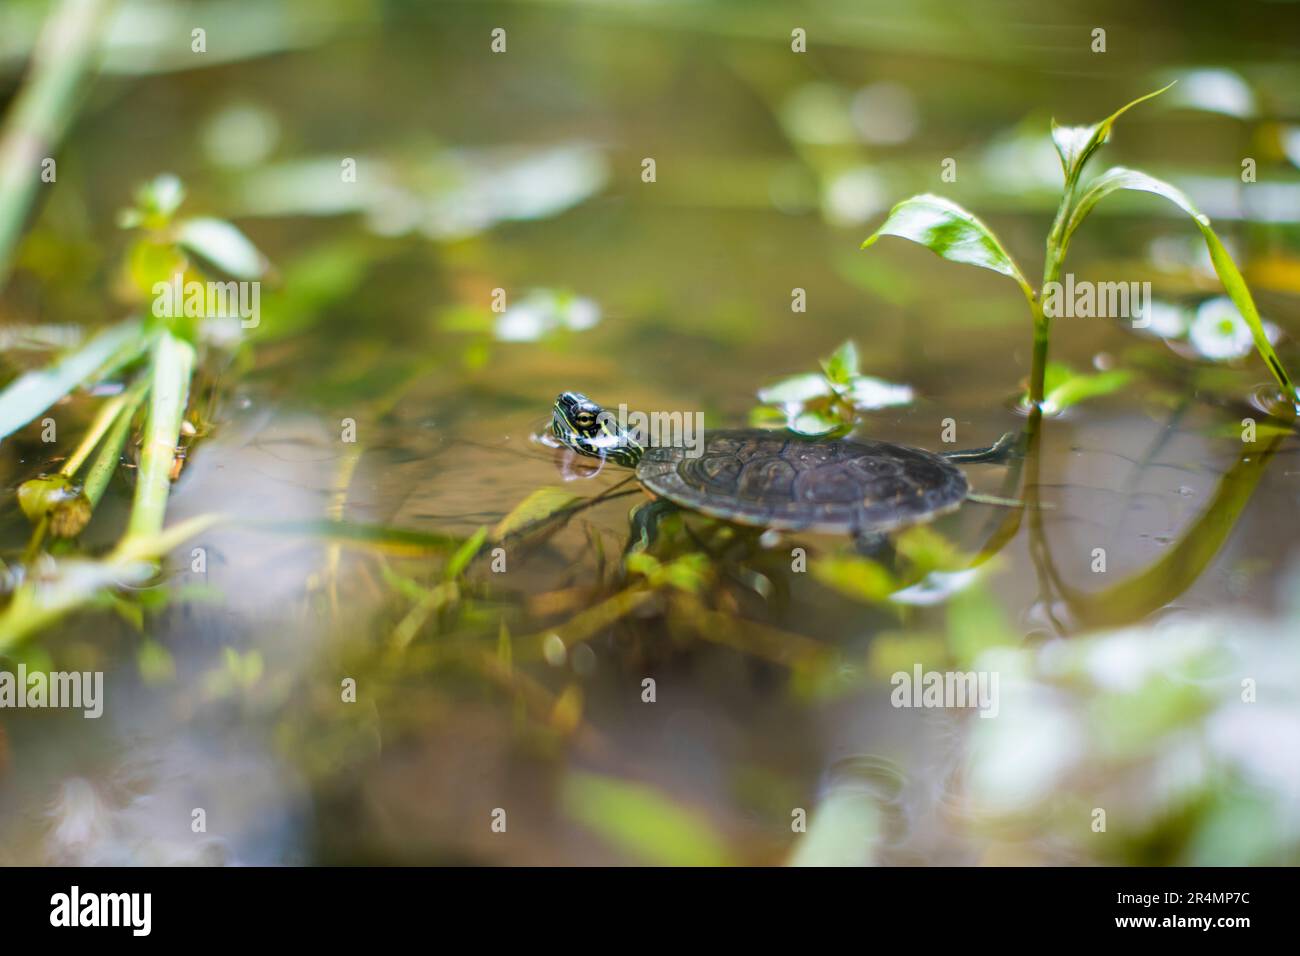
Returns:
<point x="1219" y="332"/>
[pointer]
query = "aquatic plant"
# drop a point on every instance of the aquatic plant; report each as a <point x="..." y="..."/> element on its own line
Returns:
<point x="955" y="234"/>
<point x="828" y="402"/>
<point x="152" y="359"/>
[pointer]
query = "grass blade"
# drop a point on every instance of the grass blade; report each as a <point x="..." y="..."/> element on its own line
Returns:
<point x="64" y="54"/>
<point x="33" y="392"/>
<point x="110" y="451"/>
<point x="401" y="542"/>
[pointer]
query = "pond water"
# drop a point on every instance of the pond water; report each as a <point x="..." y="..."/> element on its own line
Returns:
<point x="1132" y="591"/>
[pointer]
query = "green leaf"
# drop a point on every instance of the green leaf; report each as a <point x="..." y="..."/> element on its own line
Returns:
<point x="817" y="423"/>
<point x="1079" y="388"/>
<point x="1234" y="284"/>
<point x="949" y="231"/>
<point x="842" y="367"/>
<point x="1056" y="375"/>
<point x="41" y="600"/>
<point x="224" y="246"/>
<point x="402" y="542"/>
<point x="465" y="554"/>
<point x="537" y="507"/>
<point x="868" y="393"/>
<point x="1117" y="178"/>
<point x="765" y="416"/>
<point x="690" y="572"/>
<point x="797" y="388"/>
<point x="642" y="822"/>
<point x="152" y="546"/>
<point x="150" y="262"/>
<point x="859" y="578"/>
<point x="1076" y="144"/>
<point x="33" y="392"/>
<point x="927" y="549"/>
<point x="155" y="203"/>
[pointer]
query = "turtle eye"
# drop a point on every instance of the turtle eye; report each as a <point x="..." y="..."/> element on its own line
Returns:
<point x="584" y="420"/>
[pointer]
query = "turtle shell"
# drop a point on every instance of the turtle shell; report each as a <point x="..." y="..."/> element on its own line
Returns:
<point x="768" y="479"/>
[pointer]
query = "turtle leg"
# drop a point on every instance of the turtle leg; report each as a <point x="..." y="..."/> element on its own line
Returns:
<point x="999" y="451"/>
<point x="645" y="523"/>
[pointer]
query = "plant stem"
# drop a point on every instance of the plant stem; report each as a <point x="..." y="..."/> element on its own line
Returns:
<point x="110" y="452"/>
<point x="1042" y="321"/>
<point x="42" y="111"/>
<point x="38" y="535"/>
<point x="104" y="420"/>
<point x="173" y="361"/>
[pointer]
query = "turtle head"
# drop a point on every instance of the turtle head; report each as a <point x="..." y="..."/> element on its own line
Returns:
<point x="580" y="424"/>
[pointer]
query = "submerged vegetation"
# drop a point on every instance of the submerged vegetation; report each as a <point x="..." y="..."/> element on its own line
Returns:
<point x="296" y="514"/>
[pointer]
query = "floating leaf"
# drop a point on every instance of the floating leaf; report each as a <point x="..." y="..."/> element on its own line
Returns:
<point x="1079" y="388"/>
<point x="815" y="424"/>
<point x="949" y="231"/>
<point x="828" y="403"/>
<point x="452" y="195"/>
<point x="544" y="311"/>
<point x="798" y="388"/>
<point x="868" y="394"/>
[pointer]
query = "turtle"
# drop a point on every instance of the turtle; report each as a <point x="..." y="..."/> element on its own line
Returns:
<point x="780" y="481"/>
